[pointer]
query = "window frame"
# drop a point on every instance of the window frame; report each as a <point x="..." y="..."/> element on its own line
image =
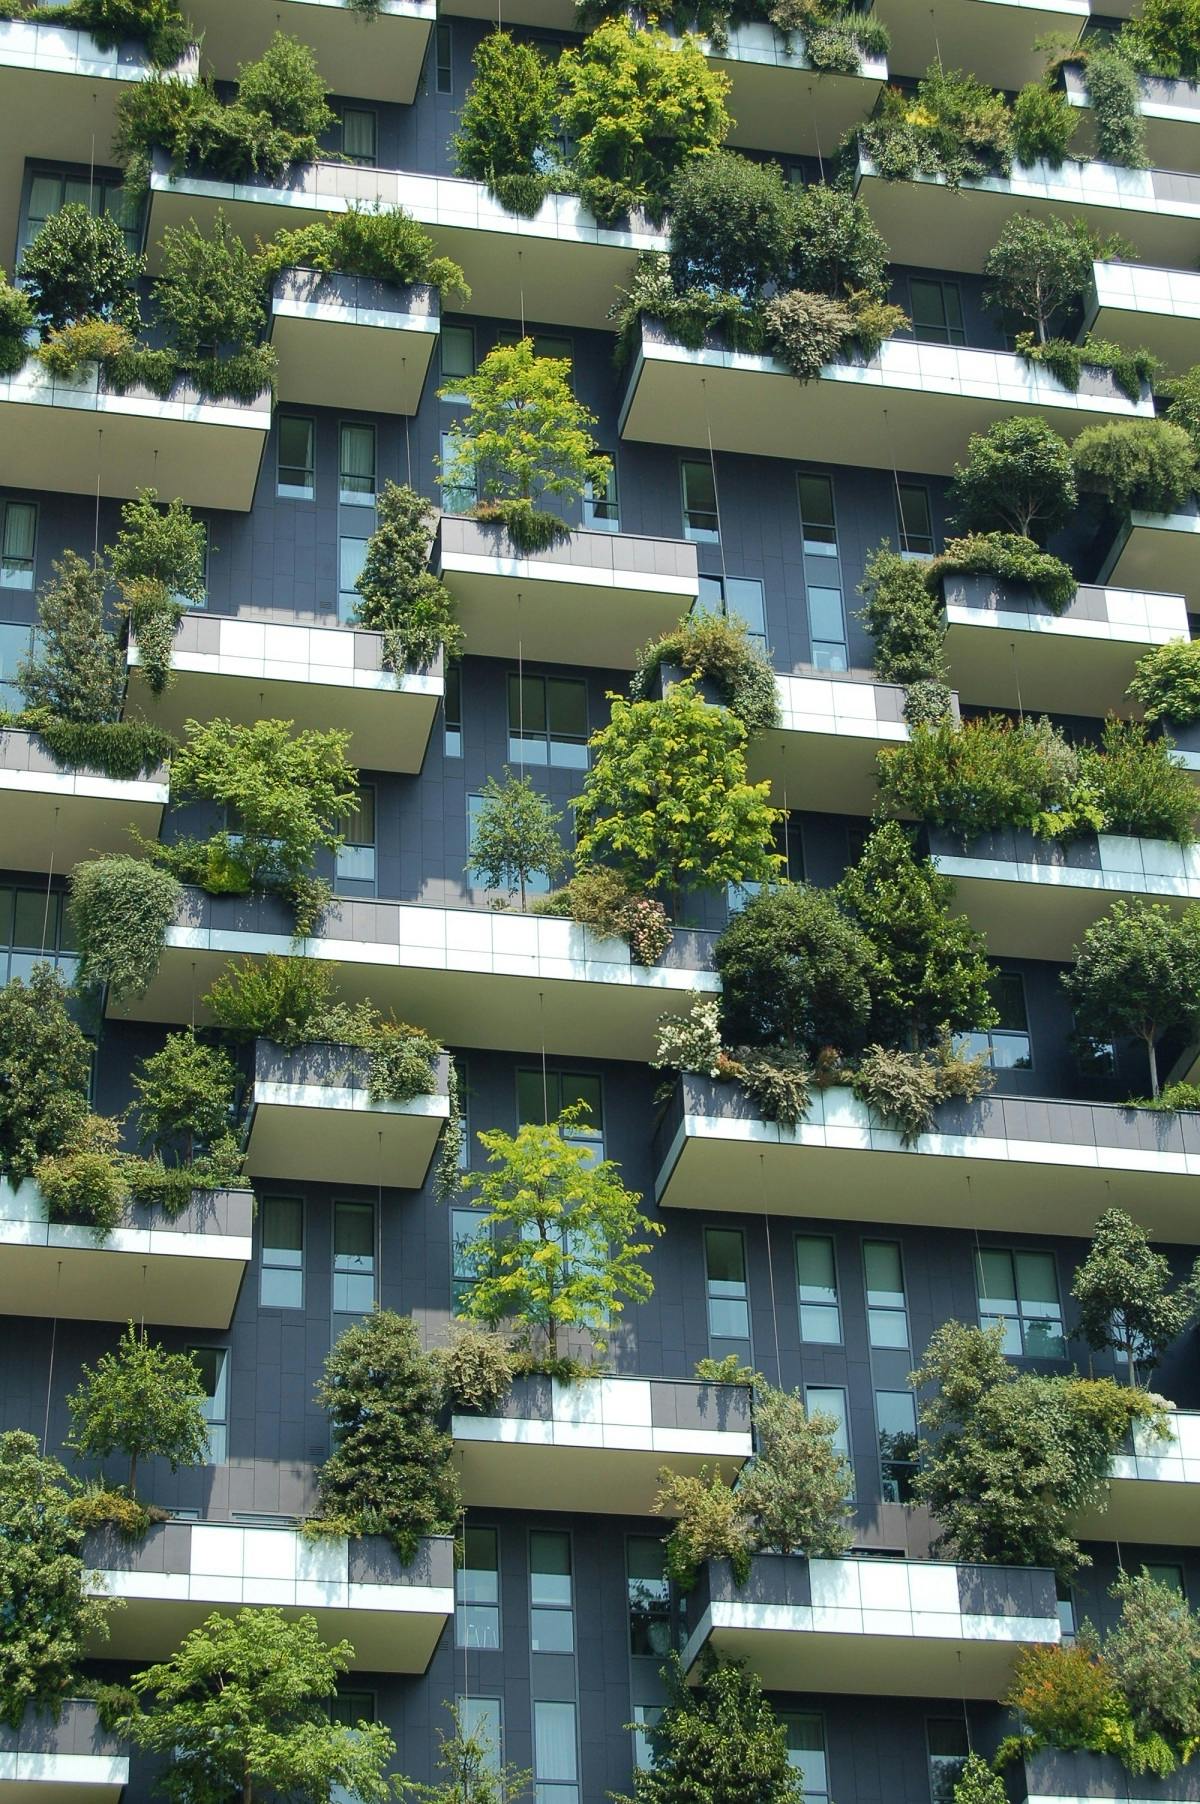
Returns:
<point x="948" y="334"/>
<point x="908" y="548"/>
<point x="291" y="1269"/>
<point x="8" y="506"/>
<point x="552" y="1607"/>
<point x="887" y="1309"/>
<point x="699" y="535"/>
<point x="709" y="1281"/>
<point x="358" y="497"/>
<point x="217" y="1426"/>
<point x="295" y="491"/>
<point x="443" y="57"/>
<point x="463" y="1603"/>
<point x="1012" y="1251"/>
<point x="830" y="1241"/>
<point x="356" y="109"/>
<point x="368" y="1208"/>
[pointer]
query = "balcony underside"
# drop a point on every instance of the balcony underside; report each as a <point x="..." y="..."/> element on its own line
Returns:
<point x="62" y="1778"/>
<point x="792" y="109"/>
<point x="1038" y="662"/>
<point x="1158" y="551"/>
<point x="81" y="1281"/>
<point x="826" y="772"/>
<point x="996" y="35"/>
<point x="49" y="115"/>
<point x="384" y="1640"/>
<point x="1171" y="336"/>
<point x="1155" y="1511"/>
<point x="558" y="614"/>
<point x="322" y="1134"/>
<point x="374" y="59"/>
<point x="51" y="823"/>
<point x="357" y="367"/>
<point x="518" y="1475"/>
<point x="552" y="15"/>
<point x="1043" y="915"/>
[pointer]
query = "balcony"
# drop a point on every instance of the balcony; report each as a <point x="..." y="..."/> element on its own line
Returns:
<point x="910" y="1628"/>
<point x="311" y="1119"/>
<point x="596" y="599"/>
<point x="1154" y="1489"/>
<point x="833" y="727"/>
<point x="1160" y="551"/>
<point x="172" y="1580"/>
<point x="1056" y="1776"/>
<point x="996" y="35"/>
<point x="1155" y="308"/>
<point x="52" y="815"/>
<point x="598" y="1446"/>
<point x="999" y="1163"/>
<point x="560" y="263"/>
<point x="1006" y="650"/>
<point x="181" y="1272"/>
<point x="375" y="59"/>
<point x="551" y="15"/>
<point x="75" y="434"/>
<point x="1157" y="209"/>
<point x="926" y="397"/>
<point x="1033" y="898"/>
<point x="317" y="676"/>
<point x="780" y="102"/>
<point x="471" y="976"/>
<point x="59" y="93"/>
<point x="347" y="342"/>
<point x="1170" y="112"/>
<point x="65" y="1760"/>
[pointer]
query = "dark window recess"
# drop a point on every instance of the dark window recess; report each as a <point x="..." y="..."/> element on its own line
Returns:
<point x="937" y="314"/>
<point x="1007" y="1046"/>
<point x="547" y="721"/>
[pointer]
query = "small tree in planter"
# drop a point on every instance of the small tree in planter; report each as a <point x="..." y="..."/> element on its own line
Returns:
<point x="515" y="836"/>
<point x="1148" y="464"/>
<point x="507" y="122"/>
<point x="719" y="1742"/>
<point x="158" y="564"/>
<point x="77" y="671"/>
<point x="733" y="224"/>
<point x="1018" y="478"/>
<point x="524" y="436"/>
<point x="45" y="1068"/>
<point x="1127" y="1303"/>
<point x="795" y="971"/>
<point x="474" y="1771"/>
<point x="1041" y="269"/>
<point x="77" y="268"/>
<point x="184" y="1096"/>
<point x="1137" y="972"/>
<point x="141" y="1401"/>
<point x="399" y="596"/>
<point x="560" y="1241"/>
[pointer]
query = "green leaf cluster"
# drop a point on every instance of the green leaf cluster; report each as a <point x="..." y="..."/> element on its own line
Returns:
<point x="184" y="1096"/>
<point x="1137" y="974"/>
<point x="45" y="1071"/>
<point x="475" y="1772"/>
<point x="1010" y="559"/>
<point x="143" y="1402"/>
<point x="1040" y="270"/>
<point x="382" y="244"/>
<point x="954" y="126"/>
<point x="399" y="596"/>
<point x="1132" y="371"/>
<point x="904" y="618"/>
<point x="159" y="25"/>
<point x="1137" y="464"/>
<point x="514" y="837"/>
<point x="1128" y="1302"/>
<point x="16" y="319"/>
<point x="506" y="122"/>
<point x="1164" y="39"/>
<point x="718" y="1742"/>
<point x="77" y="672"/>
<point x="1019" y="478"/>
<point x="717" y="649"/>
<point x="795" y="971"/>
<point x="1167" y="682"/>
<point x="121" y="907"/>
<point x="77" y="268"/>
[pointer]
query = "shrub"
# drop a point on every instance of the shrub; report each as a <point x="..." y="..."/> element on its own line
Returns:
<point x="717" y="649"/>
<point x="978" y="1784"/>
<point x="1116" y="114"/>
<point x="121" y="749"/>
<point x="399" y="596"/>
<point x="45" y="1070"/>
<point x="807" y="331"/>
<point x="601" y="899"/>
<point x="1142" y="787"/>
<point x="77" y="670"/>
<point x="68" y="348"/>
<point x="796" y="1492"/>
<point x="984" y="775"/>
<point x="401" y="1062"/>
<point x="779" y="1079"/>
<point x="121" y="908"/>
<point x="1183" y="408"/>
<point x="795" y="971"/>
<point x="904" y="619"/>
<point x="383" y="244"/>
<point x="1043" y="124"/>
<point x="1164" y="39"/>
<point x="691" y="317"/>
<point x="717" y="1742"/>
<point x="1018" y="478"/>
<point x="1127" y="1300"/>
<point x="273" y="998"/>
<point x="690" y="1042"/>
<point x="1167" y="682"/>
<point x="16" y="319"/>
<point x="1067" y="1697"/>
<point x="1154" y="1653"/>
<point x="476" y="1367"/>
<point x="1131" y="371"/>
<point x="928" y="703"/>
<point x="100" y="1506"/>
<point x="1010" y="559"/>
<point x="733" y="224"/>
<point x="83" y="1182"/>
<point x="209" y="292"/>
<point x="77" y="268"/>
<point x="160" y="543"/>
<point x="507" y="122"/>
<point x="837" y="248"/>
<point x="955" y="127"/>
<point x="902" y="1087"/>
<point x="184" y="1095"/>
<point x="709" y="1525"/>
<point x="1143" y="464"/>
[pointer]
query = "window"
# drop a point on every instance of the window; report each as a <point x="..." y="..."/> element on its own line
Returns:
<point x="816" y="1279"/>
<point x="296" y="479"/>
<point x="352" y="554"/>
<point x="816" y="516"/>
<point x="1066" y="1609"/>
<point x="464" y="1232"/>
<point x="50" y="190"/>
<point x="452" y="738"/>
<point x="555" y="1754"/>
<point x="536" y="884"/>
<point x="1021" y="1290"/>
<point x="700" y="518"/>
<point x="887" y="1316"/>
<point x="16" y="643"/>
<point x="739" y="596"/>
<point x="459" y="492"/>
<point x="896" y="1423"/>
<point x="644" y="1718"/>
<point x="830" y="1400"/>
<point x="649" y="1593"/>
<point x="484" y="1717"/>
<point x="458" y="357"/>
<point x="827" y="628"/>
<point x="354" y="862"/>
<point x="547" y="721"/>
<point x="281" y="1274"/>
<point x="353" y="1258"/>
<point x="551" y="1607"/>
<point x="601" y="509"/>
<point x="477" y="1590"/>
<point x="1165" y="1572"/>
<point x="35" y="928"/>
<point x="948" y="1750"/>
<point x="356" y="465"/>
<point x="544" y="1100"/>
<point x="545" y="344"/>
<point x="937" y="314"/>
<point x="1007" y="1046"/>
<point x="728" y="1292"/>
<point x="352" y="1707"/>
<point x="18" y="539"/>
<point x="444" y="39"/>
<point x="214" y="1378"/>
<point x="806" y="1752"/>
<point x="360" y="135"/>
<point x="916" y="520"/>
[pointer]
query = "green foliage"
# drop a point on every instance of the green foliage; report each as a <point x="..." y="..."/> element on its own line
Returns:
<point x="566" y="1253"/>
<point x="954" y="126"/>
<point x="1040" y="270"/>
<point x="1114" y="96"/>
<point x="399" y="596"/>
<point x="1167" y="682"/>
<point x="274" y="998"/>
<point x="795" y="971"/>
<point x="507" y="122"/>
<point x="716" y="648"/>
<point x="77" y="672"/>
<point x="1183" y="408"/>
<point x="1018" y="478"/>
<point x="1143" y="788"/>
<point x="807" y="331"/>
<point x="391" y="1471"/>
<point x="209" y="292"/>
<point x="68" y="349"/>
<point x="983" y="775"/>
<point x="120" y="749"/>
<point x="1043" y="124"/>
<point x="82" y="1183"/>
<point x="184" y="1094"/>
<point x="931" y="974"/>
<point x="1010" y="559"/>
<point x="733" y="224"/>
<point x="601" y="899"/>
<point x="121" y="908"/>
<point x="903" y="617"/>
<point x="48" y="1619"/>
<point x="242" y="1708"/>
<point x="666" y="797"/>
<point x="16" y="319"/>
<point x="779" y="1080"/>
<point x="515" y="836"/>
<point x="45" y="1070"/>
<point x="384" y="244"/>
<point x="1154" y="1652"/>
<point x="689" y="316"/>
<point x="1014" y="1457"/>
<point x="796" y="1492"/>
<point x="477" y="1368"/>
<point x="77" y="268"/>
<point x="101" y="1506"/>
<point x="1137" y="972"/>
<point x="1147" y="464"/>
<point x="718" y="1742"/>
<point x="1071" y="1697"/>
<point x="1132" y="371"/>
<point x="159" y="543"/>
<point x="143" y="1402"/>
<point x="637" y="107"/>
<point x="475" y="1772"/>
<point x="1126" y="1300"/>
<point x="1164" y="38"/>
<point x="904" y="1088"/>
<point x="837" y="248"/>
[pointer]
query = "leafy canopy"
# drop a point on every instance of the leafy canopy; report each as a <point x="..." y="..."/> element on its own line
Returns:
<point x="184" y="1095"/>
<point x="77" y="268"/>
<point x="1018" y="478"/>
<point x="1127" y="1301"/>
<point x="795" y="971"/>
<point x="121" y="908"/>
<point x="719" y="1742"/>
<point x="1167" y="682"/>
<point x="514" y="836"/>
<point x="1148" y="464"/>
<point x="45" y="1071"/>
<point x="507" y="121"/>
<point x="77" y="669"/>
<point x="398" y="594"/>
<point x="1137" y="972"/>
<point x="1039" y="269"/>
<point x="733" y="224"/>
<point x="473" y="1769"/>
<point x="142" y="1401"/>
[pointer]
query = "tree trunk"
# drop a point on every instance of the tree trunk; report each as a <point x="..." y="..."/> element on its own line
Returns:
<point x="247" y="1786"/>
<point x="1129" y="1357"/>
<point x="1152" y="1055"/>
<point x="133" y="1459"/>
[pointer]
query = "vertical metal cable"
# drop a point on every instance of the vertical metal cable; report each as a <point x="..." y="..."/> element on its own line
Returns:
<point x="762" y="1197"/>
<point x="712" y="464"/>
<point x="49" y="881"/>
<point x="50" y="1373"/>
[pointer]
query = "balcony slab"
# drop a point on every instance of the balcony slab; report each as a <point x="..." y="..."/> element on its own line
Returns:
<point x="376" y="59"/>
<point x="68" y="1759"/>
<point x="823" y="754"/>
<point x="51" y="815"/>
<point x="996" y="35"/>
<point x="1154" y="1489"/>
<point x="350" y="343"/>
<point x="1170" y="114"/>
<point x="1155" y="308"/>
<point x="779" y="102"/>
<point x="1160" y="551"/>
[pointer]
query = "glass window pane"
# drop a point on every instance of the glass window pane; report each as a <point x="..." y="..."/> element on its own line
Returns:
<point x="481" y="1718"/>
<point x="885" y="1284"/>
<point x="830" y="1400"/>
<point x="820" y="1324"/>
<point x="554" y="1743"/>
<point x="34" y="920"/>
<point x="445" y="59"/>
<point x="888" y="1327"/>
<point x="567" y="707"/>
<point x="550" y="1557"/>
<point x="295" y="456"/>
<point x="283" y="1229"/>
<point x="744" y="598"/>
<point x="725" y="1255"/>
<point x="280" y="1288"/>
<point x="353" y="1231"/>
<point x="526" y="704"/>
<point x="357" y="459"/>
<point x="728" y="1319"/>
<point x="457" y="477"/>
<point x="1037" y="1284"/>
<point x="916" y="524"/>
<point x="928" y="310"/>
<point x="815" y="1271"/>
<point x="825" y="617"/>
<point x="458" y="351"/>
<point x="952" y="304"/>
<point x="552" y="1631"/>
<point x="994" y="1272"/>
<point x="358" y="134"/>
<point x="817" y="516"/>
<point x="806" y="1751"/>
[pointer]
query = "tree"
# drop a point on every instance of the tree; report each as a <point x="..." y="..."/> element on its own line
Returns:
<point x="1164" y="39"/>
<point x="1137" y="972"/>
<point x="524" y="436"/>
<point x="120" y="910"/>
<point x="732" y="224"/>
<point x="399" y="596"/>
<point x="390" y="1472"/>
<point x="1183" y="408"/>
<point x="1126" y="1301"/>
<point x="141" y="1401"/>
<point x="77" y="268"/>
<point x="209" y="292"/>
<point x="242" y="1709"/>
<point x="77" y="671"/>
<point x="719" y="1742"/>
<point x="795" y="971"/>
<point x="507" y="122"/>
<point x="274" y="998"/>
<point x="1146" y="464"/>
<point x="514" y="836"/>
<point x="1042" y="268"/>
<point x="184" y="1096"/>
<point x="45" y="1071"/>
<point x="1154" y="1650"/>
<point x="1018" y="477"/>
<point x="474" y="1773"/>
<point x="838" y="249"/>
<point x="667" y="800"/>
<point x="978" y="1784"/>
<point x="48" y="1619"/>
<point x="797" y="1492"/>
<point x="903" y="618"/>
<point x="930" y="971"/>
<point x="1014" y="1457"/>
<point x="557" y="1240"/>
<point x="160" y="543"/>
